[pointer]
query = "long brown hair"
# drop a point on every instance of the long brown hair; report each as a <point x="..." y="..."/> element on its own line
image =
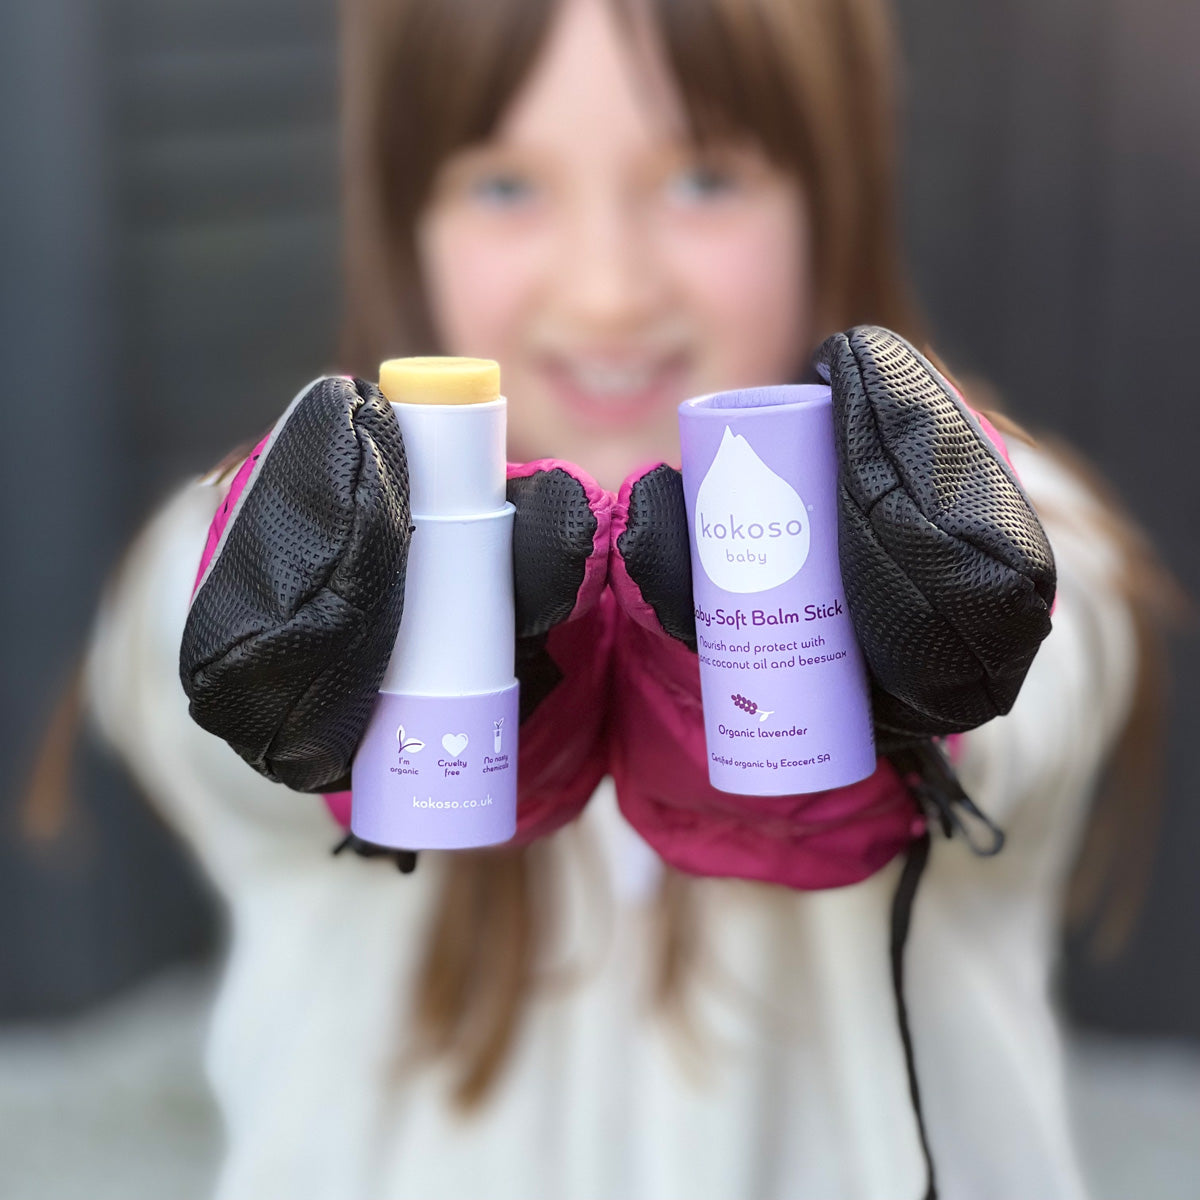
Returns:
<point x="811" y="82"/>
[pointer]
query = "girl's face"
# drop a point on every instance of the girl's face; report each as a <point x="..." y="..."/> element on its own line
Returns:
<point x="611" y="266"/>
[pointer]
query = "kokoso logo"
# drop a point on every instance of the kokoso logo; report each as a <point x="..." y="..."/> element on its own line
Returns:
<point x="752" y="529"/>
<point x="736" y="529"/>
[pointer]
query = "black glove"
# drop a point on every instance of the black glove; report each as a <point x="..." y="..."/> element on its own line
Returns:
<point x="292" y="626"/>
<point x="948" y="573"/>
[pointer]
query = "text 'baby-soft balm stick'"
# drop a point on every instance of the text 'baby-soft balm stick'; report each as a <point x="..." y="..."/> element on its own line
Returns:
<point x="786" y="703"/>
<point x="437" y="768"/>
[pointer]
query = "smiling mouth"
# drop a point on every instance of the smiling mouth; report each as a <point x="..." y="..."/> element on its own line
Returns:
<point x="612" y="391"/>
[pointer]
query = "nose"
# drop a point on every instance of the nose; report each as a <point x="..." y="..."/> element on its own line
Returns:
<point x="611" y="280"/>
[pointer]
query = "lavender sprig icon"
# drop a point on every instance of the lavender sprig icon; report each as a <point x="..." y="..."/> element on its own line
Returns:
<point x="749" y="707"/>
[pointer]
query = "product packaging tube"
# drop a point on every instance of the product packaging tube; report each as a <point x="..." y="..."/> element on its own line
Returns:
<point x="437" y="767"/>
<point x="786" y="703"/>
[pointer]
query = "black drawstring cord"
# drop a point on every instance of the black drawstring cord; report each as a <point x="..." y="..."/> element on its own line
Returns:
<point x="406" y="860"/>
<point x="902" y="906"/>
<point x="932" y="781"/>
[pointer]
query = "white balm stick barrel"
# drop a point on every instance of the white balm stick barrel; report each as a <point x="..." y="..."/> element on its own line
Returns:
<point x="437" y="767"/>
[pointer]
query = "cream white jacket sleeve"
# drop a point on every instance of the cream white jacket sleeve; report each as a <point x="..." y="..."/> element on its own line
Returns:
<point x="309" y="1013"/>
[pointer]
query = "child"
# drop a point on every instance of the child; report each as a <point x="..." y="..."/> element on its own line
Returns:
<point x="626" y="205"/>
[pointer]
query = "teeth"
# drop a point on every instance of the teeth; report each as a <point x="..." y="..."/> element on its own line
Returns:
<point x="609" y="380"/>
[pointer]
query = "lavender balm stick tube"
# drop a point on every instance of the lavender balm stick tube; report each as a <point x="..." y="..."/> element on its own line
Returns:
<point x="786" y="703"/>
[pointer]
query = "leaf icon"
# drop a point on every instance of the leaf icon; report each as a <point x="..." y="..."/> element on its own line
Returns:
<point x="408" y="745"/>
<point x="764" y="713"/>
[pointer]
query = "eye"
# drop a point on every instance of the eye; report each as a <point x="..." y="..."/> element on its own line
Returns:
<point x="502" y="189"/>
<point x="702" y="183"/>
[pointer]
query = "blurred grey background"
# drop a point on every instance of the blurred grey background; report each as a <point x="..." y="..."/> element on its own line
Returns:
<point x="168" y="209"/>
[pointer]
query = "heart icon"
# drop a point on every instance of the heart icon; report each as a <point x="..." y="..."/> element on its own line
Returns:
<point x="454" y="743"/>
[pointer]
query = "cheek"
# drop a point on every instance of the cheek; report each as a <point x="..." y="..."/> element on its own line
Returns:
<point x="481" y="286"/>
<point x="747" y="284"/>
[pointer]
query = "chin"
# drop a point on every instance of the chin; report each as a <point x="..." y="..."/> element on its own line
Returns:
<point x="608" y="434"/>
<point x="612" y="463"/>
<point x="607" y="455"/>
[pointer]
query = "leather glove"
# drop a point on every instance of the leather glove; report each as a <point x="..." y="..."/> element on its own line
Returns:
<point x="949" y="580"/>
<point x="948" y="572"/>
<point x="301" y="591"/>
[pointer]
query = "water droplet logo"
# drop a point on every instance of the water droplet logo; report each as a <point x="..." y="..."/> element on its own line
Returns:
<point x="752" y="529"/>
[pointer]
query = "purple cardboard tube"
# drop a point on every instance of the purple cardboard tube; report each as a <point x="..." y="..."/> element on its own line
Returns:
<point x="438" y="772"/>
<point x="786" y="702"/>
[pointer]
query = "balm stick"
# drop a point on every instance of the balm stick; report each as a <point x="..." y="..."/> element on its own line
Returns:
<point x="437" y="767"/>
<point x="786" y="703"/>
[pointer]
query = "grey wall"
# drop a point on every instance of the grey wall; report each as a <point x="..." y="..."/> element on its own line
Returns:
<point x="169" y="246"/>
<point x="169" y="235"/>
<point x="101" y="904"/>
<point x="1052" y="189"/>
